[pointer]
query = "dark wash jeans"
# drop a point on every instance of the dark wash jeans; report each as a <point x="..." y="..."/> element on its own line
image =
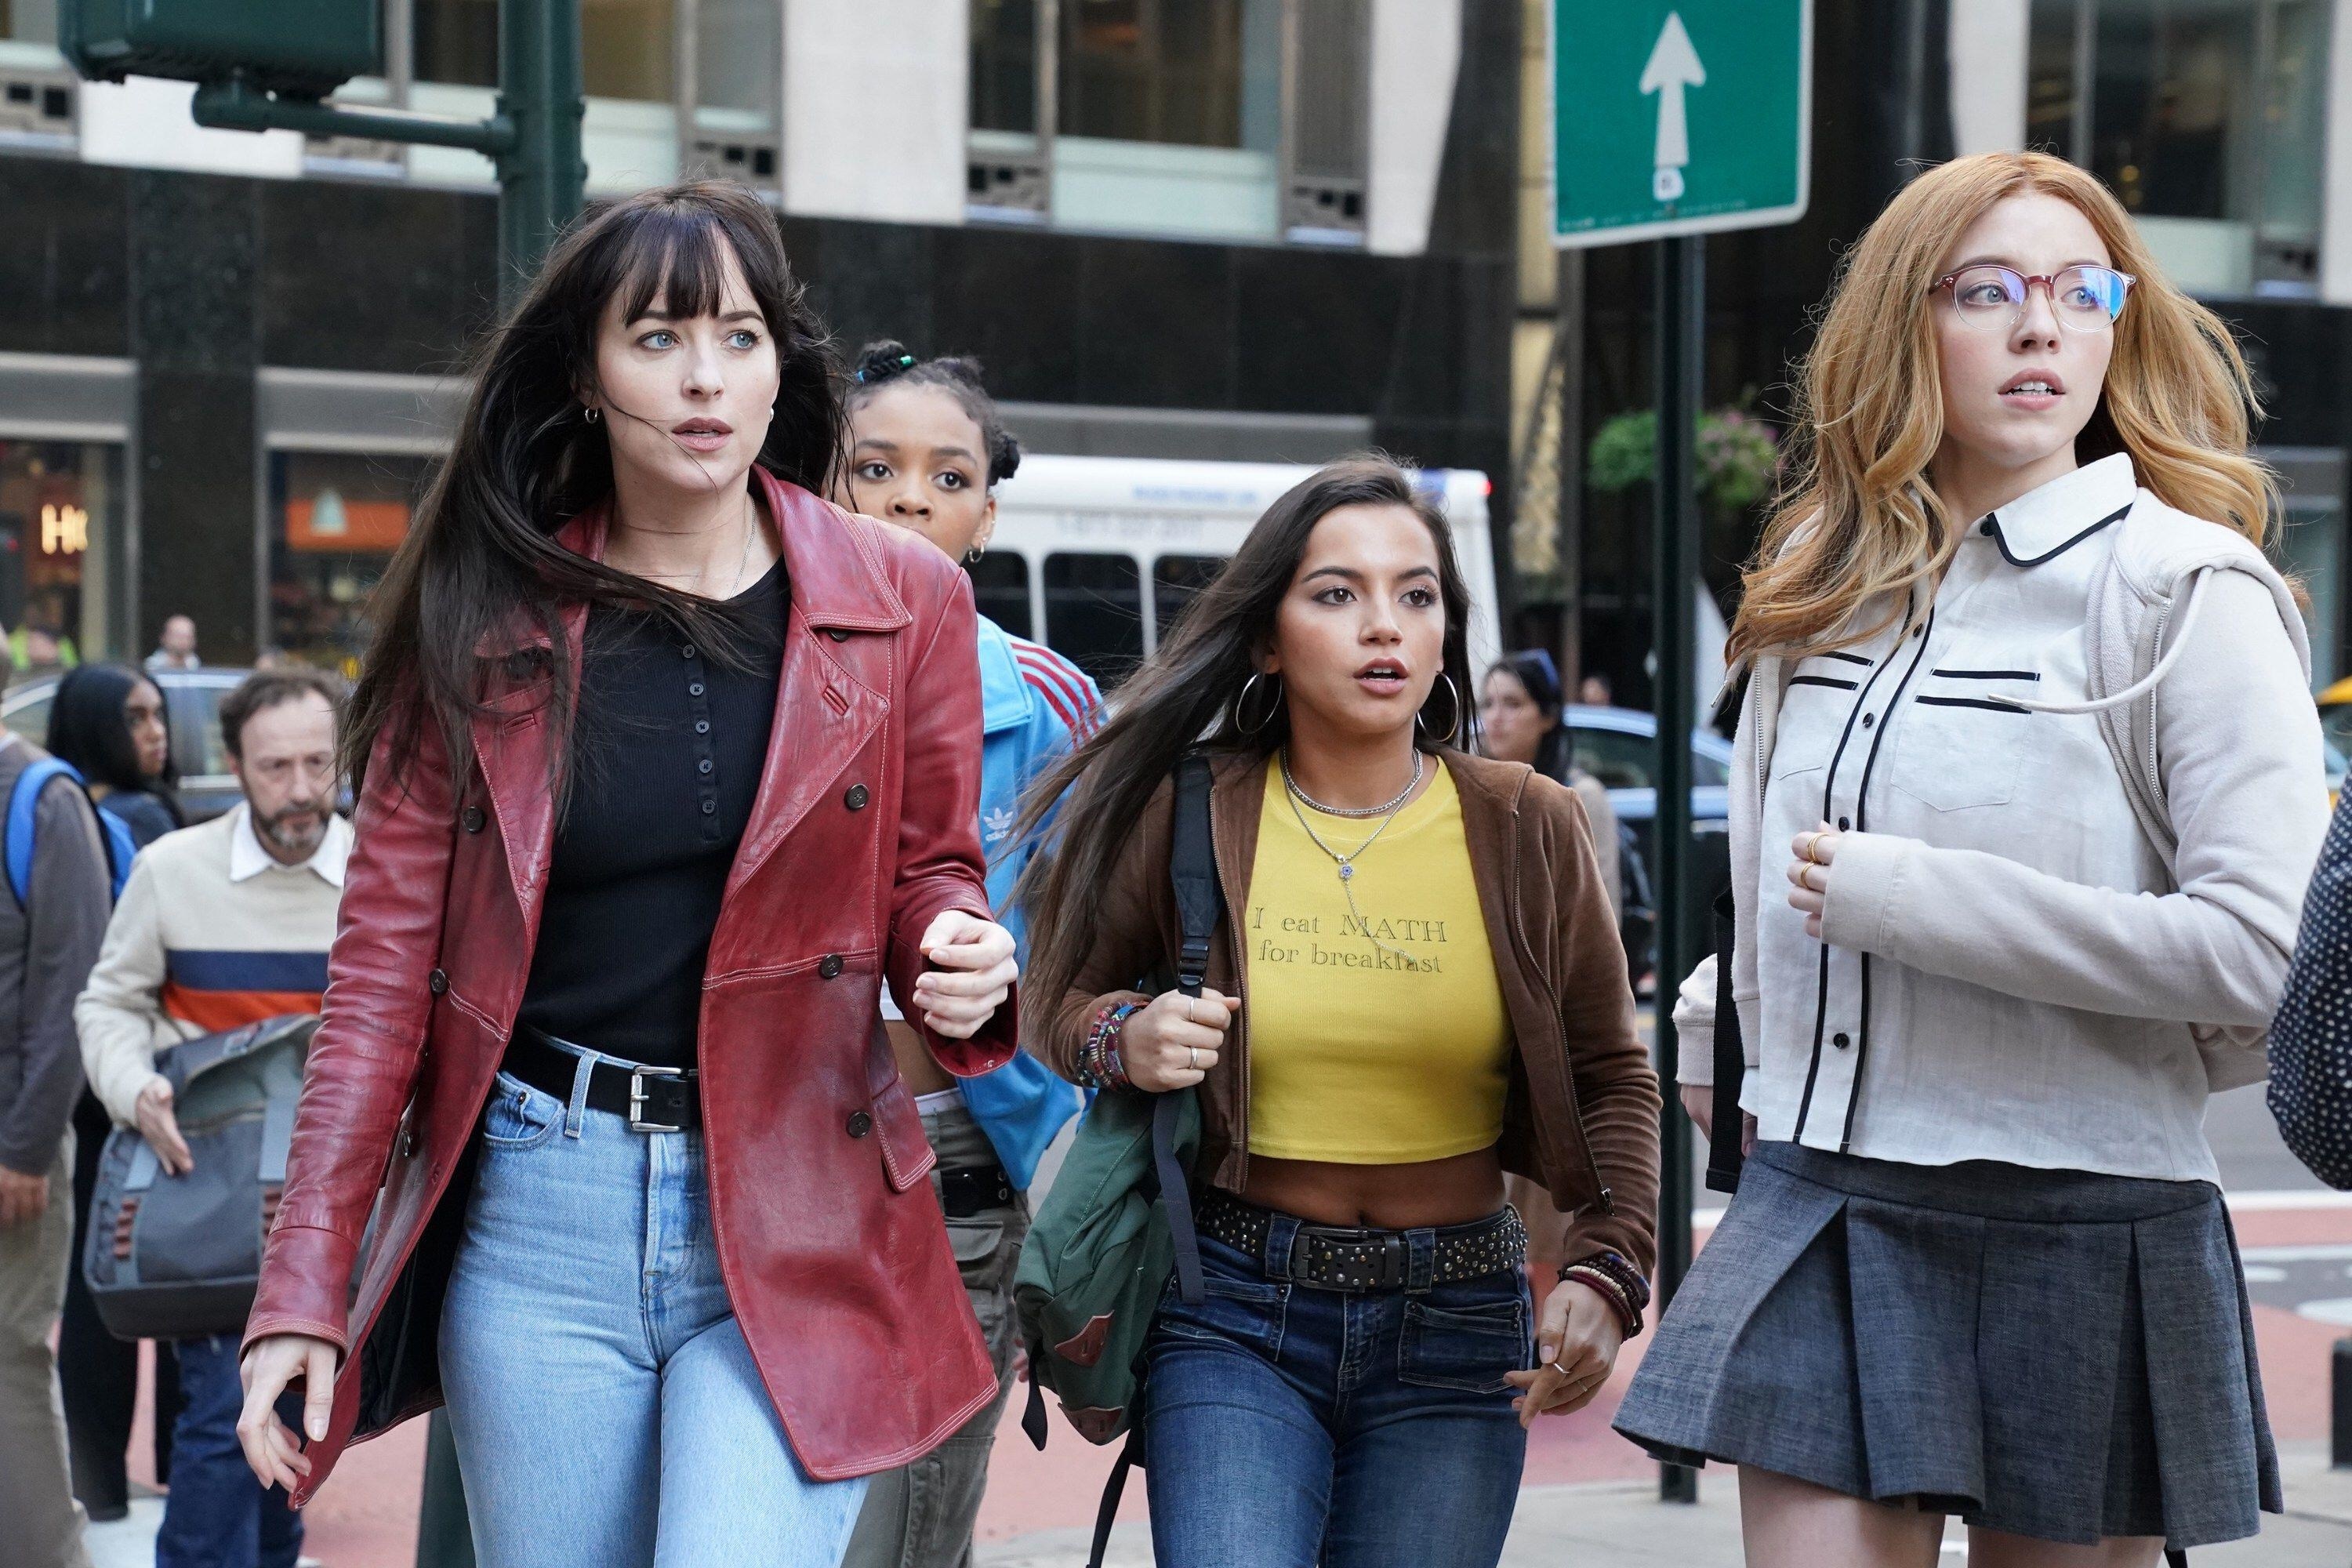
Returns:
<point x="217" y="1515"/>
<point x="1286" y="1425"/>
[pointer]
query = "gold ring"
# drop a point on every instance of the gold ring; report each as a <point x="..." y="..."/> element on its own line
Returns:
<point x="1812" y="842"/>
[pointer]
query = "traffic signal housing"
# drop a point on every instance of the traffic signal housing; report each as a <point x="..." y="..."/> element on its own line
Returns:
<point x="303" y="48"/>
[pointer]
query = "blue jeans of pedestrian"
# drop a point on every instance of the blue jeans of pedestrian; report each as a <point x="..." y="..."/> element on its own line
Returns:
<point x="605" y="1406"/>
<point x="1287" y="1426"/>
<point x="217" y="1515"/>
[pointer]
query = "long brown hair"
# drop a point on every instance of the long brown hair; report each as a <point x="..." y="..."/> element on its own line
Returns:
<point x="1861" y="520"/>
<point x="482" y="561"/>
<point x="1187" y="694"/>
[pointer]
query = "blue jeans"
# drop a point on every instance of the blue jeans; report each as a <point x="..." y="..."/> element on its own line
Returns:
<point x="1286" y="1425"/>
<point x="605" y="1406"/>
<point x="217" y="1515"/>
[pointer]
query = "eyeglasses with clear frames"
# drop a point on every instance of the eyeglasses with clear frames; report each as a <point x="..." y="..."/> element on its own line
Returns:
<point x="1990" y="297"/>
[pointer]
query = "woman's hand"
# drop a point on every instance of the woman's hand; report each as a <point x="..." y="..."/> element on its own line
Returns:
<point x="1576" y="1349"/>
<point x="1173" y="1042"/>
<point x="161" y="1128"/>
<point x="1809" y="874"/>
<point x="1698" y="1104"/>
<point x="276" y="1360"/>
<point x="972" y="973"/>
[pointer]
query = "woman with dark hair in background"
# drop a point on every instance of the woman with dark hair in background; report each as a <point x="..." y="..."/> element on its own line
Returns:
<point x="108" y="722"/>
<point x="927" y="447"/>
<point x="663" y="762"/>
<point x="1522" y="718"/>
<point x="1416" y="987"/>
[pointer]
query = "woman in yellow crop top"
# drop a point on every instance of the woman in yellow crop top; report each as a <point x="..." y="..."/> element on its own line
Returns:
<point x="1417" y="987"/>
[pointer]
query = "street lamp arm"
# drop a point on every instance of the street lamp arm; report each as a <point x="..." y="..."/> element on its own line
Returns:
<point x="237" y="104"/>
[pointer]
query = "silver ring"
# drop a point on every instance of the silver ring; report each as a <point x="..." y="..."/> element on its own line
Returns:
<point x="1192" y="1057"/>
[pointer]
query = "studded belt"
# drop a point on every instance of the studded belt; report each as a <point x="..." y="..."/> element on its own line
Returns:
<point x="1344" y="1257"/>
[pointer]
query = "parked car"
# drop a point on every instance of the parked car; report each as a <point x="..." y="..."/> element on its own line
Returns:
<point x="1618" y="746"/>
<point x="191" y="700"/>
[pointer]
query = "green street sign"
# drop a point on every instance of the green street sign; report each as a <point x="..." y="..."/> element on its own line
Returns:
<point x="1678" y="116"/>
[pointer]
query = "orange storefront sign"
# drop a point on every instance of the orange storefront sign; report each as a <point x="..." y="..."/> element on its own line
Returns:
<point x="328" y="521"/>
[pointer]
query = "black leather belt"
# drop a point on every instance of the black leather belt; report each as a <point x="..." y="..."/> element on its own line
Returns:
<point x="655" y="1099"/>
<point x="969" y="1190"/>
<point x="1340" y="1257"/>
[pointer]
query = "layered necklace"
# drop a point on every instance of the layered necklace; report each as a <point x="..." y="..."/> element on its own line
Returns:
<point x="1387" y="812"/>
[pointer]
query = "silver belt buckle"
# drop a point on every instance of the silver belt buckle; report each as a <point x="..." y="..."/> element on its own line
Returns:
<point x="637" y="1076"/>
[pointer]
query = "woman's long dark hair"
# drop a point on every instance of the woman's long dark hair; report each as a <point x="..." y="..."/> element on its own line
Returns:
<point x="482" y="561"/>
<point x="1185" y="695"/>
<point x="1539" y="679"/>
<point x="87" y="728"/>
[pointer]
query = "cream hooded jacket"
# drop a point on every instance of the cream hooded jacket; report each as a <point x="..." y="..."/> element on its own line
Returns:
<point x="2016" y="965"/>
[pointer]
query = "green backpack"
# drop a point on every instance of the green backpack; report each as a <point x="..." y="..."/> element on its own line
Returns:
<point x="1118" y="1218"/>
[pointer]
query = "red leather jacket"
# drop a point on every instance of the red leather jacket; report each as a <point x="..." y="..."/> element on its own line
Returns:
<point x="834" y="1254"/>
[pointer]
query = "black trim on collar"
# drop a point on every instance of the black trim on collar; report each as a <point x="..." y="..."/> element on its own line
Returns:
<point x="1991" y="528"/>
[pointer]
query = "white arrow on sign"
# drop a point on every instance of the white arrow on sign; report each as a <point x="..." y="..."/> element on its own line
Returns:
<point x="1674" y="65"/>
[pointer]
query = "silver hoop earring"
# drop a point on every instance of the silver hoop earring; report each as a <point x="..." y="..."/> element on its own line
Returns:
<point x="1240" y="702"/>
<point x="592" y="414"/>
<point x="1451" y="730"/>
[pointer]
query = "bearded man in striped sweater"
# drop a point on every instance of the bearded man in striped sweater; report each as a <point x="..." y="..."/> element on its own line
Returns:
<point x="221" y="925"/>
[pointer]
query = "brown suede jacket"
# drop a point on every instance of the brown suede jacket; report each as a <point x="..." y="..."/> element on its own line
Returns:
<point x="1581" y="1112"/>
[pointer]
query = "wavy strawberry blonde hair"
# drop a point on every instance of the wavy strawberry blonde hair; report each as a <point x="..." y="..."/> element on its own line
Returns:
<point x="1859" y="517"/>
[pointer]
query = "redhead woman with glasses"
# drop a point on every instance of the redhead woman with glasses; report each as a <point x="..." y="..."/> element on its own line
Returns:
<point x="2027" y="789"/>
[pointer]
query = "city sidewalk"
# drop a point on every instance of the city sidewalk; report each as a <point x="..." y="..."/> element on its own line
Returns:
<point x="1622" y="1524"/>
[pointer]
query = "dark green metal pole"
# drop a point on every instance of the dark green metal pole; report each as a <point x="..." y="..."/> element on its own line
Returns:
<point x="1681" y="332"/>
<point x="542" y="176"/>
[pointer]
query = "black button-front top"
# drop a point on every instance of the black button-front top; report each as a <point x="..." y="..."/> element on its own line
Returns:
<point x="671" y="743"/>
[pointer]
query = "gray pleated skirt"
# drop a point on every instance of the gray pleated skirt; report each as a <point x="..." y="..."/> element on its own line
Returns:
<point x="2054" y="1354"/>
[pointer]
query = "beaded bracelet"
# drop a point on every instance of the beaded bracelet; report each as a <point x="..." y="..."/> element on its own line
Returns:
<point x="1099" y="1063"/>
<point x="1618" y="1281"/>
<point x="1616" y="1267"/>
<point x="1629" y="1316"/>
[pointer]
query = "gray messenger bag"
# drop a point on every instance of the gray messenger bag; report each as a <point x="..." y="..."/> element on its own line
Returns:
<point x="172" y="1258"/>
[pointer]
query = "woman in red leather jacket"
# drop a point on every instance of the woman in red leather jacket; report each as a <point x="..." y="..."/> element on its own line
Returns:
<point x="663" y="765"/>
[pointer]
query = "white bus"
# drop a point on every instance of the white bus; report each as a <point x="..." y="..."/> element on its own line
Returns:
<point x="1096" y="556"/>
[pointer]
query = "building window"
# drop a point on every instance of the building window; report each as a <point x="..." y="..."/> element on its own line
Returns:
<point x="60" y="552"/>
<point x="628" y="62"/>
<point x="737" y="87"/>
<point x="626" y="48"/>
<point x="1004" y="65"/>
<point x="2209" y="121"/>
<point x="456" y="41"/>
<point x="1168" y="116"/>
<point x="28" y="21"/>
<point x="1153" y="71"/>
<point x="336" y="520"/>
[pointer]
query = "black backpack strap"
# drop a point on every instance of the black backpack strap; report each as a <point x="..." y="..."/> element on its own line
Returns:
<point x="1129" y="1453"/>
<point x="1192" y="869"/>
<point x="1033" y="1415"/>
<point x="1723" y="1153"/>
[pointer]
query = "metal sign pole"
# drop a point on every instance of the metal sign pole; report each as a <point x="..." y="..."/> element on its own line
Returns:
<point x="542" y="174"/>
<point x="1681" y="296"/>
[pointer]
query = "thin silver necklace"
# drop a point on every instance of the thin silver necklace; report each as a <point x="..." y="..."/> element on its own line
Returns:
<point x="1359" y="812"/>
<point x="1346" y="862"/>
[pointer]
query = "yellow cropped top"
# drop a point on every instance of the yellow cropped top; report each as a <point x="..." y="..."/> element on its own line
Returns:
<point x="1383" y="1041"/>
